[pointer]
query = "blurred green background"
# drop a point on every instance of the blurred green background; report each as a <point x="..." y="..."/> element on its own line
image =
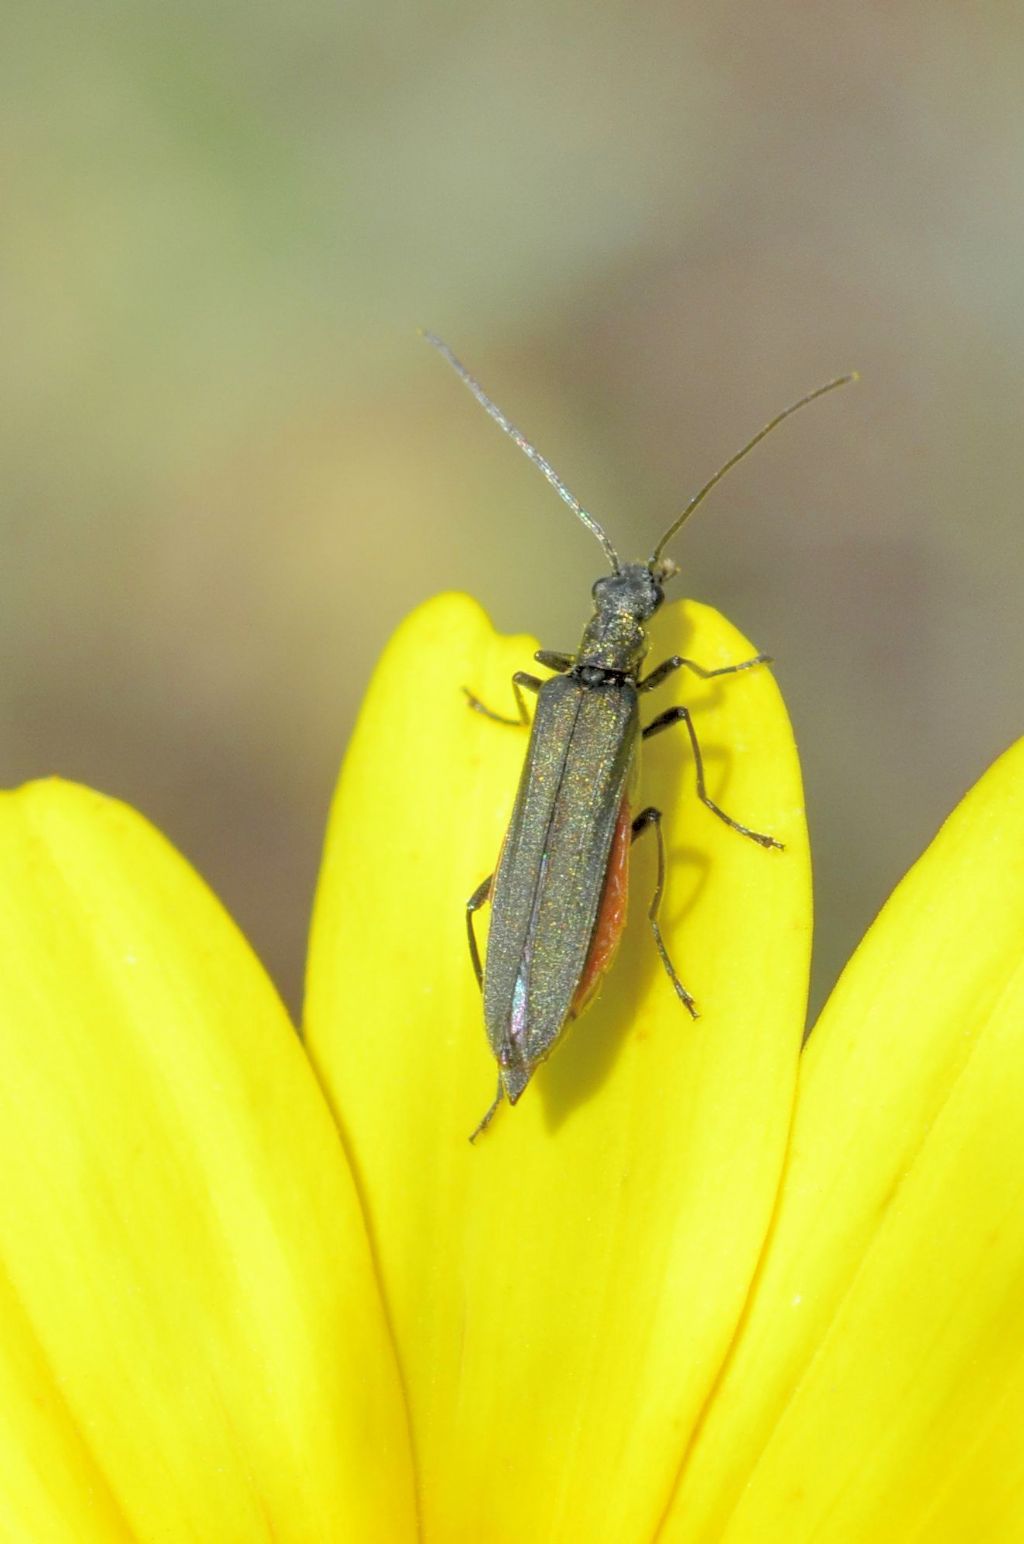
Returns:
<point x="230" y="466"/>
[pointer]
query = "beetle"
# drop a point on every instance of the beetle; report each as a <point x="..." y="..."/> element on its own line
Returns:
<point x="558" y="893"/>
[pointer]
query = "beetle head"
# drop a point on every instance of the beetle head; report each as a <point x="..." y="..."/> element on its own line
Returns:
<point x="633" y="591"/>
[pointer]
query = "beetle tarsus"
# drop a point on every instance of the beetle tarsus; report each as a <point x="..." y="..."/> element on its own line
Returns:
<point x="481" y="894"/>
<point x="680" y="715"/>
<point x="499" y="1096"/>
<point x="521" y="681"/>
<point x="679" y="662"/>
<point x="652" y="817"/>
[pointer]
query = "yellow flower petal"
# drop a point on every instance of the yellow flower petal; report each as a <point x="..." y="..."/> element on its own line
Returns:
<point x="877" y="1388"/>
<point x="191" y="1342"/>
<point x="562" y="1293"/>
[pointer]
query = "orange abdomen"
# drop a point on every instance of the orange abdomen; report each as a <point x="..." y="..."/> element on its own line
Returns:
<point x="611" y="914"/>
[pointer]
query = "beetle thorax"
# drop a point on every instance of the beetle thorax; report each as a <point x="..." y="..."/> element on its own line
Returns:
<point x="615" y="638"/>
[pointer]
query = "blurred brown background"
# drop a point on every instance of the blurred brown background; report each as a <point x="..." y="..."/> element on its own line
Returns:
<point x="230" y="466"/>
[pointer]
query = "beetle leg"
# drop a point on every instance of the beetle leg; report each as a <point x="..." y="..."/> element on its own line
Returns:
<point x="476" y="900"/>
<point x="663" y="671"/>
<point x="499" y="1096"/>
<point x="682" y="716"/>
<point x="520" y="681"/>
<point x="555" y="661"/>
<point x="652" y="817"/>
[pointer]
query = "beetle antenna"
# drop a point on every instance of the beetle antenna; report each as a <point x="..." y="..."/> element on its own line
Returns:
<point x="698" y="498"/>
<point x="525" y="446"/>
